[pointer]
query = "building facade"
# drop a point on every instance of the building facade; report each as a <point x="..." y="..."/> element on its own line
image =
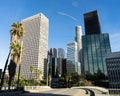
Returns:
<point x="91" y="23"/>
<point x="54" y="67"/>
<point x="113" y="67"/>
<point x="35" y="44"/>
<point x="56" y="64"/>
<point x="72" y="58"/>
<point x="0" y="73"/>
<point x="95" y="48"/>
<point x="95" y="45"/>
<point x="54" y="52"/>
<point x="64" y="66"/>
<point x="61" y="53"/>
<point x="78" y="39"/>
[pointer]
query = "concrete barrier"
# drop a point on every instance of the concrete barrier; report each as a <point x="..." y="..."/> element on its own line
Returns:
<point x="94" y="87"/>
<point x="36" y="88"/>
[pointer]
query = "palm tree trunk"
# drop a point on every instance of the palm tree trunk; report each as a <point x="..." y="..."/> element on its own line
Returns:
<point x="3" y="75"/>
<point x="12" y="71"/>
<point x="18" y="76"/>
<point x="30" y="77"/>
<point x="9" y="83"/>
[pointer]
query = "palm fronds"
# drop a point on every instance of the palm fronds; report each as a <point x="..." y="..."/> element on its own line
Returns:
<point x="17" y="29"/>
<point x="16" y="48"/>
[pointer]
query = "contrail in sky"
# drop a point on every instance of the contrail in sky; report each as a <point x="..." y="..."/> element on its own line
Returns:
<point x="64" y="14"/>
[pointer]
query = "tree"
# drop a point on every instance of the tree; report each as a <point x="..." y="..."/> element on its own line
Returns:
<point x="68" y="79"/>
<point x="38" y="73"/>
<point x="62" y="81"/>
<point x="16" y="52"/>
<point x="16" y="32"/>
<point x="31" y="70"/>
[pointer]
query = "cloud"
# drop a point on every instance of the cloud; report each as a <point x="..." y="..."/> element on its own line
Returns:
<point x="64" y="14"/>
<point x="75" y="4"/>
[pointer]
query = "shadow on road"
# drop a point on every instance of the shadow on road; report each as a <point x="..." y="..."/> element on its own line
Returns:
<point x="91" y="92"/>
<point x="88" y="91"/>
<point x="43" y="94"/>
<point x="28" y="94"/>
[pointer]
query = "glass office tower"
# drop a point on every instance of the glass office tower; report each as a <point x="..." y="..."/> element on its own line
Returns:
<point x="95" y="45"/>
<point x="91" y="22"/>
<point x="95" y="48"/>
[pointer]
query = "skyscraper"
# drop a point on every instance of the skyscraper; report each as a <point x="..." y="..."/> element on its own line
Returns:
<point x="64" y="67"/>
<point x="78" y="39"/>
<point x="95" y="46"/>
<point x="59" y="65"/>
<point x="35" y="44"/>
<point x="91" y="22"/>
<point x="54" y="52"/>
<point x="61" y="53"/>
<point x="72" y="57"/>
<point x="54" y="67"/>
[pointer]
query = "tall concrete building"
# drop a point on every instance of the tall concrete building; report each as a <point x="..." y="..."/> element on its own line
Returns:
<point x="35" y="44"/>
<point x="72" y="58"/>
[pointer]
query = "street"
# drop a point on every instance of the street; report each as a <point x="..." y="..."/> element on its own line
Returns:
<point x="57" y="92"/>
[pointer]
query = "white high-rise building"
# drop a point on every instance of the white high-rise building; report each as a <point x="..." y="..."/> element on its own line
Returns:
<point x="72" y="57"/>
<point x="78" y="39"/>
<point x="35" y="45"/>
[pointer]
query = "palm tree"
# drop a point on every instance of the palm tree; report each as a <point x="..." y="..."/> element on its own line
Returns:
<point x="31" y="70"/>
<point x="16" y="32"/>
<point x="38" y="74"/>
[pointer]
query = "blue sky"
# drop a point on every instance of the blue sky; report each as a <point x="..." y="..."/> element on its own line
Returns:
<point x="63" y="16"/>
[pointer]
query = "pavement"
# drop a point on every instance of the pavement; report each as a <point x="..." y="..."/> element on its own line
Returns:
<point x="49" y="92"/>
<point x="57" y="92"/>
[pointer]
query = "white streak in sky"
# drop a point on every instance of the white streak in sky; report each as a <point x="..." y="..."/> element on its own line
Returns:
<point x="64" y="14"/>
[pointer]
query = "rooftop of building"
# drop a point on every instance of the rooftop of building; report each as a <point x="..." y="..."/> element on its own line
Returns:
<point x="113" y="55"/>
<point x="33" y="17"/>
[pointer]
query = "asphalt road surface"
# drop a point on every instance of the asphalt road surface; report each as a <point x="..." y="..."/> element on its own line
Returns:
<point x="52" y="92"/>
<point x="57" y="92"/>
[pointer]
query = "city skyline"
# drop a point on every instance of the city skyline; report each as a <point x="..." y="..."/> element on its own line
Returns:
<point x="62" y="20"/>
